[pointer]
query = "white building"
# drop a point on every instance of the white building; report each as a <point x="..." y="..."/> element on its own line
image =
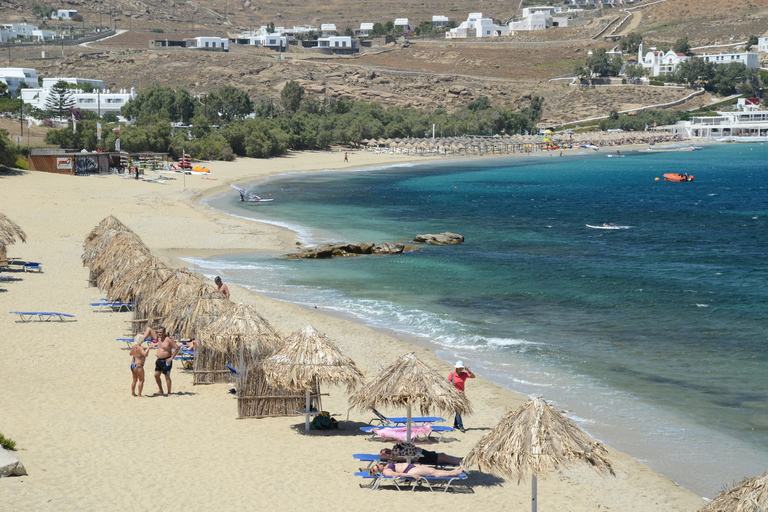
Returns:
<point x="18" y="30"/>
<point x="210" y="42"/>
<point x="340" y="45"/>
<point x="327" y="29"/>
<point x="14" y="77"/>
<point x="744" y="126"/>
<point x="659" y="63"/>
<point x="364" y="30"/>
<point x="440" y="21"/>
<point x="48" y="83"/>
<point x="403" y="24"/>
<point x="477" y="26"/>
<point x="749" y="59"/>
<point x="275" y="41"/>
<point x="99" y="102"/>
<point x="762" y="44"/>
<point x="534" y="19"/>
<point x="44" y="35"/>
<point x="64" y="14"/>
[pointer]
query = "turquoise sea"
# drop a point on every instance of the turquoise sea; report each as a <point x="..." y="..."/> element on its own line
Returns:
<point x="652" y="337"/>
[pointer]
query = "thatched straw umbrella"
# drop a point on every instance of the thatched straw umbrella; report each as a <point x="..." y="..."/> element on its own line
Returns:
<point x="239" y="337"/>
<point x="140" y="281"/>
<point x="98" y="244"/>
<point x="308" y="359"/>
<point x="535" y="439"/>
<point x="408" y="382"/>
<point x="195" y="310"/>
<point x="120" y="254"/>
<point x="107" y="223"/>
<point x="750" y="495"/>
<point x="10" y="231"/>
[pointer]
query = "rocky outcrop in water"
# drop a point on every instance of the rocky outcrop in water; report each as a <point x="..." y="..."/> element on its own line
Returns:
<point x="342" y="250"/>
<point x="441" y="239"/>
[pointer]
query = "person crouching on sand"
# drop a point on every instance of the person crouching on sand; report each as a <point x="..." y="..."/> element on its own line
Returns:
<point x="167" y="349"/>
<point x="138" y="358"/>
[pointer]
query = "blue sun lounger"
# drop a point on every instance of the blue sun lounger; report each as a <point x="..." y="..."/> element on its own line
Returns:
<point x="384" y="420"/>
<point x="429" y="481"/>
<point x="32" y="266"/>
<point x="28" y="316"/>
<point x="112" y="306"/>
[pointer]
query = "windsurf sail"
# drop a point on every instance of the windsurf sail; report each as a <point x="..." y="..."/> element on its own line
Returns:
<point x="244" y="193"/>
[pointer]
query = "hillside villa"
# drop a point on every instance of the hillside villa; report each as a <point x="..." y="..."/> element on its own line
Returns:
<point x="477" y="26"/>
<point x="13" y="77"/>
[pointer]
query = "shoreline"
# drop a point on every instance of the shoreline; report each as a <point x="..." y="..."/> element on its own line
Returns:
<point x="55" y="387"/>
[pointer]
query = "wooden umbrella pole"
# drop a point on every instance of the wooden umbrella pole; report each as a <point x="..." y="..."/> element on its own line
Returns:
<point x="533" y="492"/>
<point x="306" y="410"/>
<point x="408" y="431"/>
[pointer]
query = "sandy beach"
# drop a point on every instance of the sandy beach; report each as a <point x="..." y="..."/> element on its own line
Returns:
<point x="87" y="444"/>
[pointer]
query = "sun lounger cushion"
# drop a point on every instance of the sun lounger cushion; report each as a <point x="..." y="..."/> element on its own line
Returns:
<point x="32" y="266"/>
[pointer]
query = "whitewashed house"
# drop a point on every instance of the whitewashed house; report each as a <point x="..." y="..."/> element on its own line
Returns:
<point x="477" y="26"/>
<point x="18" y="30"/>
<point x="98" y="102"/>
<point x="546" y="9"/>
<point x="539" y="18"/>
<point x="749" y="59"/>
<point x="275" y="41"/>
<point x="63" y="14"/>
<point x="440" y="21"/>
<point x="659" y="63"/>
<point x="365" y="30"/>
<point x="44" y="35"/>
<point x="203" y="42"/>
<point x="340" y="45"/>
<point x="14" y="77"/>
<point x="327" y="29"/>
<point x="402" y="23"/>
<point x="762" y="44"/>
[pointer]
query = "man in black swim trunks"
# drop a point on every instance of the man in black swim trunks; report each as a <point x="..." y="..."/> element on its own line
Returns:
<point x="167" y="349"/>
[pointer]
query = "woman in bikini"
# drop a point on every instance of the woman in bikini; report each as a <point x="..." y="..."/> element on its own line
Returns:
<point x="403" y="469"/>
<point x="138" y="357"/>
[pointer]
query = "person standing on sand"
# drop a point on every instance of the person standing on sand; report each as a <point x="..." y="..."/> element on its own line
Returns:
<point x="138" y="359"/>
<point x="345" y="157"/>
<point x="458" y="377"/>
<point x="221" y="286"/>
<point x="167" y="349"/>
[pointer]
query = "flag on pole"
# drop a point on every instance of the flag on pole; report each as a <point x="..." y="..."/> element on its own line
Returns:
<point x="98" y="131"/>
<point x="29" y="122"/>
<point x="117" y="144"/>
<point x="74" y="124"/>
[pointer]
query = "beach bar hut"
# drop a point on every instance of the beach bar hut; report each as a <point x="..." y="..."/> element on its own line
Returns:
<point x="307" y="359"/>
<point x="535" y="438"/>
<point x="408" y="382"/>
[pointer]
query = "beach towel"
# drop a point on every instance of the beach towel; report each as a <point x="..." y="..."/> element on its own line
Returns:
<point x="400" y="433"/>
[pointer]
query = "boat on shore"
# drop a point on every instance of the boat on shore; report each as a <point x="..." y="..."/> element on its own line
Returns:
<point x="673" y="176"/>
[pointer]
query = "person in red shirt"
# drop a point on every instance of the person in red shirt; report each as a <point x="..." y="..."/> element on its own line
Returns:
<point x="459" y="377"/>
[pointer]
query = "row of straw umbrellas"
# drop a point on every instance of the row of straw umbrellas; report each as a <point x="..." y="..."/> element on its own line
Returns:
<point x="535" y="439"/>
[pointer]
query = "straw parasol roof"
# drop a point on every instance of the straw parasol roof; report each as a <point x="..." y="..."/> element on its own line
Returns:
<point x="239" y="336"/>
<point x="10" y="231"/>
<point x="163" y="300"/>
<point x="196" y="310"/>
<point x="750" y="495"/>
<point x="107" y="223"/>
<point x="308" y="359"/>
<point x="121" y="250"/>
<point x="535" y="439"/>
<point x="142" y="279"/>
<point x="95" y="245"/>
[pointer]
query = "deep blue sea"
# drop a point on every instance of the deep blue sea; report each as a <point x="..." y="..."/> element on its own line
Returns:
<point x="652" y="337"/>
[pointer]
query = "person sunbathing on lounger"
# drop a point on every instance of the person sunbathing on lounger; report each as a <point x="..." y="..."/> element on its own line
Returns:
<point x="403" y="469"/>
<point x="427" y="457"/>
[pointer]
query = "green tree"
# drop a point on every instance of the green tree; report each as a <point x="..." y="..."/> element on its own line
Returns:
<point x="59" y="100"/>
<point x="751" y="42"/>
<point x="533" y="111"/>
<point x="634" y="71"/>
<point x="694" y="72"/>
<point x="7" y="151"/>
<point x="4" y="90"/>
<point x="270" y="28"/>
<point x="379" y="29"/>
<point x="291" y="96"/>
<point x="481" y="103"/>
<point x="601" y="64"/>
<point x="682" y="45"/>
<point x="389" y="26"/>
<point x="229" y="103"/>
<point x="631" y="44"/>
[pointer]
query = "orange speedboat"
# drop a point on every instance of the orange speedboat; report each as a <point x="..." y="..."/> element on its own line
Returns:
<point x="678" y="177"/>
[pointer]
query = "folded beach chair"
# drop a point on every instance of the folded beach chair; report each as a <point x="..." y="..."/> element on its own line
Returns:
<point x="384" y="420"/>
<point x="429" y="481"/>
<point x="28" y="316"/>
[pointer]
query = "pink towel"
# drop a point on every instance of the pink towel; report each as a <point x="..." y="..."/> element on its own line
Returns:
<point x="401" y="432"/>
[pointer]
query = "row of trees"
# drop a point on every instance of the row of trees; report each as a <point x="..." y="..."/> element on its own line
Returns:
<point x="226" y="123"/>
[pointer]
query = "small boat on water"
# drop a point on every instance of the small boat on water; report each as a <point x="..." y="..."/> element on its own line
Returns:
<point x="671" y="176"/>
<point x="608" y="225"/>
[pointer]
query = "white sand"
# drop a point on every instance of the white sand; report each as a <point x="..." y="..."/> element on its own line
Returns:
<point x="88" y="445"/>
